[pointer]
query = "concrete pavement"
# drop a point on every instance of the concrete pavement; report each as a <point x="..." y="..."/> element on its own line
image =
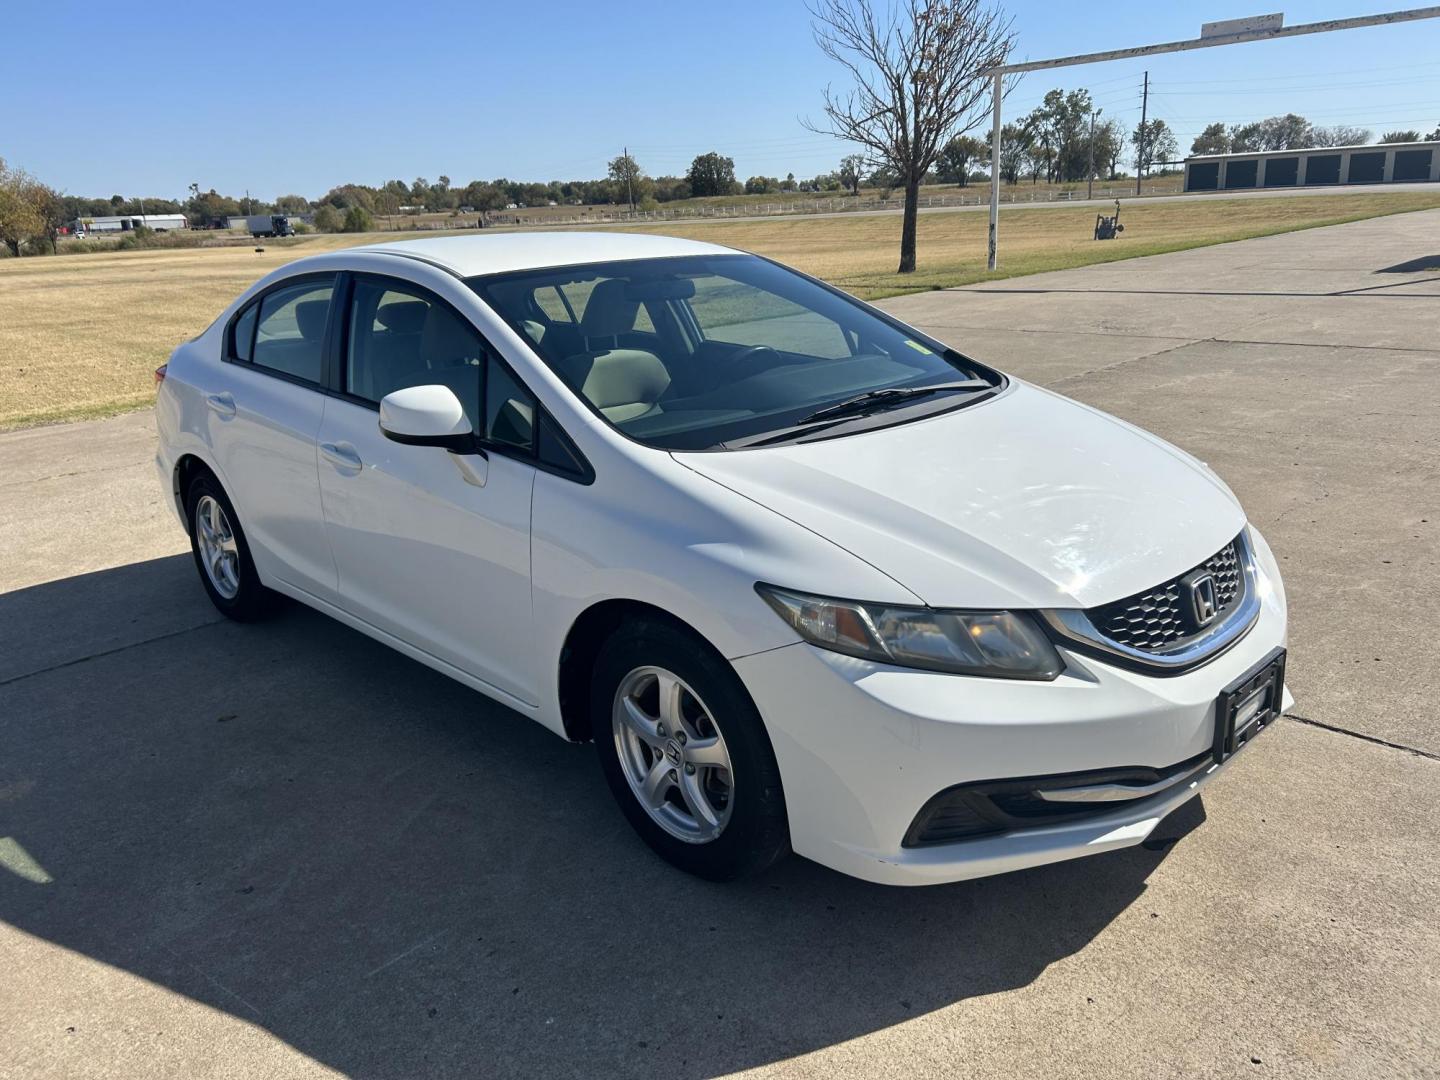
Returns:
<point x="284" y="850"/>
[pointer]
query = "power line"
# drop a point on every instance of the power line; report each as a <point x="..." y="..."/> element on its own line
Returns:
<point x="1303" y="74"/>
<point x="1314" y="88"/>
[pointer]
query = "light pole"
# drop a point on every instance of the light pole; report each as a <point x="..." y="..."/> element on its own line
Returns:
<point x="1090" y="172"/>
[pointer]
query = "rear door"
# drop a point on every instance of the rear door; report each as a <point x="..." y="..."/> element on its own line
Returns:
<point x="432" y="550"/>
<point x="263" y="414"/>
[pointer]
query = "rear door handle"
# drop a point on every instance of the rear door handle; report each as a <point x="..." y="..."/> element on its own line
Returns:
<point x="342" y="455"/>
<point x="224" y="404"/>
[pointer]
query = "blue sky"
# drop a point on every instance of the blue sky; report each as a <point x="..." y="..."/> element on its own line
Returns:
<point x="300" y="96"/>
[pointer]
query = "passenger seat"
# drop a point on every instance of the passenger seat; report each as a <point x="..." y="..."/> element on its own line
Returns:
<point x="621" y="383"/>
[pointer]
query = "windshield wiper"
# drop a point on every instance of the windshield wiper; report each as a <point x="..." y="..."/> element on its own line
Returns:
<point x="832" y="415"/>
<point x="890" y="395"/>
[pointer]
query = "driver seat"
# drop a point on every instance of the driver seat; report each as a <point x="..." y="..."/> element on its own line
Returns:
<point x="621" y="383"/>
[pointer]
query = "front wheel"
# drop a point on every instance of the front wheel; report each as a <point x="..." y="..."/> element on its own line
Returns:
<point x="686" y="754"/>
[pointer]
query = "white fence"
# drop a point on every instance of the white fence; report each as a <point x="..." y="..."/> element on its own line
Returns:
<point x="977" y="196"/>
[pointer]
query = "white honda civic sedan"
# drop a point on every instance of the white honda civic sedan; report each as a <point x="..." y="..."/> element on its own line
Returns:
<point x="808" y="578"/>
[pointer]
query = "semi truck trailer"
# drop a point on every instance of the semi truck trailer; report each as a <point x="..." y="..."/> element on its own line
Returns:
<point x="269" y="225"/>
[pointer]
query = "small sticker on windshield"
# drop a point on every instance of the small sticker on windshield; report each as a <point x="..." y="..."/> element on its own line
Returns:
<point x="918" y="347"/>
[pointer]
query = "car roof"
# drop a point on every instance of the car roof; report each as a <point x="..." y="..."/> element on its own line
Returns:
<point x="498" y="253"/>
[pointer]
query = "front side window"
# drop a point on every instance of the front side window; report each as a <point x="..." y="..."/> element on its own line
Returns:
<point x="399" y="337"/>
<point x="290" y="331"/>
<point x="509" y="409"/>
<point x="714" y="352"/>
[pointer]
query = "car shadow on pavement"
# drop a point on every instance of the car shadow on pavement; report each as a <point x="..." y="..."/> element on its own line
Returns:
<point x="296" y="825"/>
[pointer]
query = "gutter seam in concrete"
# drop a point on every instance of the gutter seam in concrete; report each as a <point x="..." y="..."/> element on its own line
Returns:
<point x="1364" y="738"/>
<point x="109" y="652"/>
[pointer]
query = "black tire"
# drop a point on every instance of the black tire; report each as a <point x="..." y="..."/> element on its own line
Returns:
<point x="252" y="600"/>
<point x="757" y="834"/>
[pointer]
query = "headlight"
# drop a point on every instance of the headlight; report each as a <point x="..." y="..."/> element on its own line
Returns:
<point x="1000" y="644"/>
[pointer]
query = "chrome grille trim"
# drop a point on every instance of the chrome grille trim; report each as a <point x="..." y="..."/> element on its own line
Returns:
<point x="1073" y="626"/>
<point x="1158" y="619"/>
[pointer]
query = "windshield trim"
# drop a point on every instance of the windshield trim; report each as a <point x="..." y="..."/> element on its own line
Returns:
<point x="847" y="425"/>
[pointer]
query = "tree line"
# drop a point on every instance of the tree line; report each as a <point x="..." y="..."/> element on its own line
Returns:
<point x="1062" y="140"/>
<point x="1291" y="132"/>
<point x="32" y="214"/>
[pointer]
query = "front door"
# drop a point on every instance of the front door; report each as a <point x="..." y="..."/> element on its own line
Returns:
<point x="431" y="550"/>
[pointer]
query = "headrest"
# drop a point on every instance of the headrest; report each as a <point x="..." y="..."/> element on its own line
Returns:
<point x="623" y="377"/>
<point x="402" y="316"/>
<point x="447" y="340"/>
<point x="609" y="311"/>
<point x="310" y="318"/>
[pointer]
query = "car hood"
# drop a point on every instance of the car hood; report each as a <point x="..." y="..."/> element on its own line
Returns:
<point x="1029" y="500"/>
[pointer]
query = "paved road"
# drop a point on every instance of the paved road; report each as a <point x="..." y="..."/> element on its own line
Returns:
<point x="283" y="850"/>
<point x="983" y="206"/>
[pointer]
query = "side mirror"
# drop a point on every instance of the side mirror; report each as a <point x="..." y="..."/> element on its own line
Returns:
<point x="427" y="416"/>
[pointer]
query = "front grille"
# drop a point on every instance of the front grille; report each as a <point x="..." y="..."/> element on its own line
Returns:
<point x="1164" y="617"/>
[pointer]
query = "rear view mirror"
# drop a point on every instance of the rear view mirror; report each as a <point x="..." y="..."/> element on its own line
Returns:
<point x="427" y="416"/>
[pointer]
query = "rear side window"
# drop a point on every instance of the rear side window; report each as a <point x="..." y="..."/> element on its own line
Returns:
<point x="550" y="302"/>
<point x="244" y="332"/>
<point x="290" y="334"/>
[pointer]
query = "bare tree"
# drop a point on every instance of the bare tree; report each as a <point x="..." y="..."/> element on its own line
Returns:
<point x="919" y="72"/>
<point x="1340" y="135"/>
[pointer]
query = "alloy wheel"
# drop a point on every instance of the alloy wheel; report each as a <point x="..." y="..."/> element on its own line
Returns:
<point x="219" y="553"/>
<point x="672" y="754"/>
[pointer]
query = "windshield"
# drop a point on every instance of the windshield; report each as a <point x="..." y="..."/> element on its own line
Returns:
<point x="693" y="353"/>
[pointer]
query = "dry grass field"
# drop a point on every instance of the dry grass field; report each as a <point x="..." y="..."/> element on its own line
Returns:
<point x="81" y="334"/>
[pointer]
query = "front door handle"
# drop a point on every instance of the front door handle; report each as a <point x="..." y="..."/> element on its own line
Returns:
<point x="342" y="455"/>
<point x="224" y="404"/>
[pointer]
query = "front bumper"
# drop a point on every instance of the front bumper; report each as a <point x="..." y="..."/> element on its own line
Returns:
<point x="862" y="747"/>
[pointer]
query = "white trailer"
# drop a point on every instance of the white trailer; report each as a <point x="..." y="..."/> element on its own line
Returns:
<point x="127" y="222"/>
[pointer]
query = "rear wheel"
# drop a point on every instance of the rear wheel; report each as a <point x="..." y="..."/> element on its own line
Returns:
<point x="221" y="554"/>
<point x="685" y="753"/>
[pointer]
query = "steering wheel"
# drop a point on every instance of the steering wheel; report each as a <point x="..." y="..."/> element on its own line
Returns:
<point x="747" y="356"/>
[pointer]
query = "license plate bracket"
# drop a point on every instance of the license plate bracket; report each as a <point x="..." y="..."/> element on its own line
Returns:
<point x="1249" y="705"/>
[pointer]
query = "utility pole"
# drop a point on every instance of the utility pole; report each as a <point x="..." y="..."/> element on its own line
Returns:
<point x="1090" y="173"/>
<point x="629" y="169"/>
<point x="1140" y="146"/>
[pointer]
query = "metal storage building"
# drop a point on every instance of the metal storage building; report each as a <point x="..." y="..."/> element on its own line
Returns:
<point x="1389" y="163"/>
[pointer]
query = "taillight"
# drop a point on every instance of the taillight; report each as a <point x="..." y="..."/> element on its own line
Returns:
<point x="160" y="374"/>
